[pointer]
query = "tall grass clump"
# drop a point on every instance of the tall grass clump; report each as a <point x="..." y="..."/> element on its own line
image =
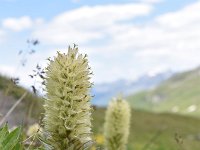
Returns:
<point x="67" y="120"/>
<point x="117" y="122"/>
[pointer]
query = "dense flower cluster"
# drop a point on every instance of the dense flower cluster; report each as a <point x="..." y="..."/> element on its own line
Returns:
<point x="67" y="121"/>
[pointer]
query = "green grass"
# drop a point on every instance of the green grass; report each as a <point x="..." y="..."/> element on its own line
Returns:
<point x="181" y="91"/>
<point x="146" y="125"/>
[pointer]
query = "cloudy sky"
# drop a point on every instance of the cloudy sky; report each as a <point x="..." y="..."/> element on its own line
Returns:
<point x="123" y="38"/>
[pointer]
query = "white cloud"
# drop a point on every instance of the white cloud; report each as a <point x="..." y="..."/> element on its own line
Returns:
<point x="89" y="23"/>
<point x="180" y="19"/>
<point x="7" y="70"/>
<point x="163" y="43"/>
<point x="118" y="48"/>
<point x="19" y="24"/>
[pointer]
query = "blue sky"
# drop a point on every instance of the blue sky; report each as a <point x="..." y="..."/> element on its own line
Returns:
<point x="49" y="8"/>
<point x="124" y="39"/>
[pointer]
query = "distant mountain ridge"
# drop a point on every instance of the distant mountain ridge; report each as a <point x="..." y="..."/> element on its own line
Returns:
<point x="104" y="92"/>
<point x="179" y="94"/>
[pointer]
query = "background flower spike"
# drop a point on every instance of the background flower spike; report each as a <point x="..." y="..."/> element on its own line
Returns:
<point x="116" y="129"/>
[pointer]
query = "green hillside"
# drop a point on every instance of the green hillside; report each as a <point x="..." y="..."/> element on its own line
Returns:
<point x="27" y="111"/>
<point x="179" y="94"/>
<point x="157" y="131"/>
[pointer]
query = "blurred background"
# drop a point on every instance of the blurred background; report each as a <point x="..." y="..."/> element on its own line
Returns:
<point x="146" y="50"/>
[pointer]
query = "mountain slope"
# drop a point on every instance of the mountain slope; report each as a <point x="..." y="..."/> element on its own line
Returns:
<point x="105" y="91"/>
<point x="179" y="94"/>
<point x="27" y="111"/>
<point x="144" y="125"/>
